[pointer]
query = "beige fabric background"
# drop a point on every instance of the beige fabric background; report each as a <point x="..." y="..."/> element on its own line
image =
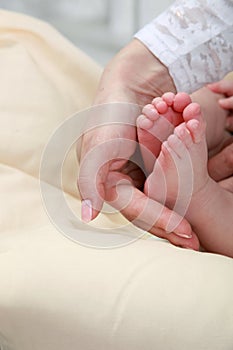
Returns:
<point x="56" y="294"/>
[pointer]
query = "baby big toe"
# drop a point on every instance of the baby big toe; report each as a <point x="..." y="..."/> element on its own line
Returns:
<point x="192" y="111"/>
<point x="181" y="101"/>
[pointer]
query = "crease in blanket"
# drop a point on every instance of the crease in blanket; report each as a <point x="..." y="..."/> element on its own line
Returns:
<point x="57" y="295"/>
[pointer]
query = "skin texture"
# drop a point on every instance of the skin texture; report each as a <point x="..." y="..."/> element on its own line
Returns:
<point x="180" y="177"/>
<point x="220" y="166"/>
<point x="135" y="76"/>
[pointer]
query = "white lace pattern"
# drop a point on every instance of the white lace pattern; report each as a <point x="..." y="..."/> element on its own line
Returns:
<point x="194" y="39"/>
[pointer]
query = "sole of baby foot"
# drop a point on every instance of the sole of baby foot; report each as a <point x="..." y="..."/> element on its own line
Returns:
<point x="181" y="169"/>
<point x="157" y="122"/>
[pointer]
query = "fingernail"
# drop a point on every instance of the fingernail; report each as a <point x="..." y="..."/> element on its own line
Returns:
<point x="86" y="210"/>
<point x="184" y="235"/>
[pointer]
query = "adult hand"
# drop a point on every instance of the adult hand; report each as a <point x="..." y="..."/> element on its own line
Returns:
<point x="133" y="76"/>
<point x="145" y="213"/>
<point x="225" y="87"/>
<point x="221" y="165"/>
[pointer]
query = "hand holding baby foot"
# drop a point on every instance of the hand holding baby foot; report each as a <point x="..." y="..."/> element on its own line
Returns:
<point x="148" y="214"/>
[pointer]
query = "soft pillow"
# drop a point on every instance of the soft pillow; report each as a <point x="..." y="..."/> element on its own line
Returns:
<point x="57" y="294"/>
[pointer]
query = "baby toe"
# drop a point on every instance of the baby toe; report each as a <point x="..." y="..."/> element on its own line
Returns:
<point x="181" y="100"/>
<point x="160" y="105"/>
<point x="150" y="112"/>
<point x="168" y="97"/>
<point x="143" y="122"/>
<point x="192" y="111"/>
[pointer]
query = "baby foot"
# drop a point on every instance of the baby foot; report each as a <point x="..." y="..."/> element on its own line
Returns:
<point x="157" y="122"/>
<point x="180" y="171"/>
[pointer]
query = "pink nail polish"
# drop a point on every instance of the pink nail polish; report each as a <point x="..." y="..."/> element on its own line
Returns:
<point x="184" y="235"/>
<point x="86" y="210"/>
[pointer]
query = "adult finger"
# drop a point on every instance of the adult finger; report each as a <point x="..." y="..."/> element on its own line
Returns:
<point x="221" y="165"/>
<point x="148" y="214"/>
<point x="109" y="155"/>
<point x="109" y="141"/>
<point x="226" y="103"/>
<point x="224" y="86"/>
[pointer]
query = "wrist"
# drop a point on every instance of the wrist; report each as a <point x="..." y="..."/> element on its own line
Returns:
<point x="134" y="75"/>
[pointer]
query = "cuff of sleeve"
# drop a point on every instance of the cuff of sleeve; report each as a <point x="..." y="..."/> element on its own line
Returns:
<point x="147" y="35"/>
<point x="196" y="67"/>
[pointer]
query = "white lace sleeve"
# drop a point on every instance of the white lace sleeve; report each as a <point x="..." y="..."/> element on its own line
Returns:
<point x="194" y="39"/>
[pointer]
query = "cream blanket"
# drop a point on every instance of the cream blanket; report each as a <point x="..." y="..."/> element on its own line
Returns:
<point x="56" y="294"/>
